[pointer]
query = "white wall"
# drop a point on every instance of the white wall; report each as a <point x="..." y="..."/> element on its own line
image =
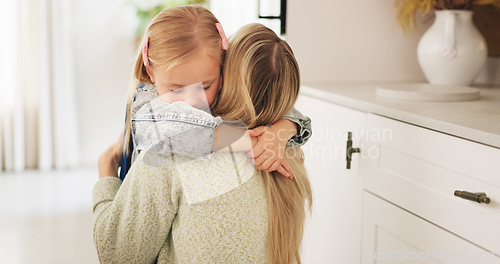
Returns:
<point x="358" y="41"/>
<point x="351" y="41"/>
<point x="490" y="75"/>
<point x="233" y="14"/>
<point x="104" y="48"/>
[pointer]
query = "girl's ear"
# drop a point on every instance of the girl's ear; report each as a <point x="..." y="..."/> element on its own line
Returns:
<point x="150" y="73"/>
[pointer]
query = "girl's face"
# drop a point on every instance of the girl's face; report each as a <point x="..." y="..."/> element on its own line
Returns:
<point x="176" y="84"/>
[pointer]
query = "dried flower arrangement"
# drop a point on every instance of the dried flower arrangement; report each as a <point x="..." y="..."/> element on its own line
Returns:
<point x="406" y="10"/>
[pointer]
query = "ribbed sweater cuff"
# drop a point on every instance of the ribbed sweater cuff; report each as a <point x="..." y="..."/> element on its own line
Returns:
<point x="105" y="189"/>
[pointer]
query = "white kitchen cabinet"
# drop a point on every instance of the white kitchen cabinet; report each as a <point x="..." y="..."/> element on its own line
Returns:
<point x="411" y="214"/>
<point x="332" y="233"/>
<point x="414" y="156"/>
<point x="392" y="235"/>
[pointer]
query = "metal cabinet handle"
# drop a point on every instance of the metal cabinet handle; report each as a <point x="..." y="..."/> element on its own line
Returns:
<point x="476" y="197"/>
<point x="350" y="150"/>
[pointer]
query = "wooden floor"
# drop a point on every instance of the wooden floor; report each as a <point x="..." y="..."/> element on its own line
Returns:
<point x="46" y="217"/>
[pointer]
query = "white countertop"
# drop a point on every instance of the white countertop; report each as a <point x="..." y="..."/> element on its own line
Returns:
<point x="477" y="120"/>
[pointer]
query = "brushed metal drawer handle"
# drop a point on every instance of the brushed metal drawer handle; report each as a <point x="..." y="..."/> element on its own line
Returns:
<point x="350" y="150"/>
<point x="476" y="197"/>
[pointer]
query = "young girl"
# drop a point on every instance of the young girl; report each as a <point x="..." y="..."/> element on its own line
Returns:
<point x="154" y="216"/>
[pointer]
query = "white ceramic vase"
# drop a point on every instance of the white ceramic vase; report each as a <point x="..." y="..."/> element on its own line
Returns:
<point x="452" y="51"/>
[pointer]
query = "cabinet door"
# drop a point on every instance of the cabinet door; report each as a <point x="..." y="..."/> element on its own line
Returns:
<point x="419" y="170"/>
<point x="393" y="235"/>
<point x="333" y="232"/>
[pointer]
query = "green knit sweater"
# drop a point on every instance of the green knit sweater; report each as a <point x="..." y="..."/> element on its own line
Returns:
<point x="176" y="210"/>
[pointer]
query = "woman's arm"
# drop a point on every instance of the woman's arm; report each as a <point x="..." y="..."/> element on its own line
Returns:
<point x="293" y="130"/>
<point x="132" y="219"/>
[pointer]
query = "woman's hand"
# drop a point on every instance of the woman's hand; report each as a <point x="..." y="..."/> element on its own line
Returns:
<point x="110" y="160"/>
<point x="269" y="151"/>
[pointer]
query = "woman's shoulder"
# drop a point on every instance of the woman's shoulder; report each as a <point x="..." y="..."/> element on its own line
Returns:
<point x="200" y="179"/>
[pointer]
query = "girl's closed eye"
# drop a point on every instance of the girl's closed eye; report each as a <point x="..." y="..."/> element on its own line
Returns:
<point x="177" y="91"/>
<point x="207" y="85"/>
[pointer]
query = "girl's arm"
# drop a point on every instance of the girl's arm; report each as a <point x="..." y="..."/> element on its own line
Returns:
<point x="303" y="125"/>
<point x="131" y="219"/>
<point x="231" y="138"/>
<point x="269" y="151"/>
<point x="293" y="130"/>
<point x="236" y="139"/>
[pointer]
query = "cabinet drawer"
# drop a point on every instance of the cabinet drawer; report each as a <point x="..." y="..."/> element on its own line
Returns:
<point x="419" y="170"/>
<point x="388" y="240"/>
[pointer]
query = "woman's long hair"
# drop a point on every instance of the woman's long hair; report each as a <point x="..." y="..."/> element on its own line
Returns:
<point x="261" y="84"/>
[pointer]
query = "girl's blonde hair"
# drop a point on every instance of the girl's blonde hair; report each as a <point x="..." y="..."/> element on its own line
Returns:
<point x="174" y="35"/>
<point x="261" y="84"/>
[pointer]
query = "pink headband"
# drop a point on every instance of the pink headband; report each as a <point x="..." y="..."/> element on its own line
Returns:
<point x="222" y="36"/>
<point x="145" y="44"/>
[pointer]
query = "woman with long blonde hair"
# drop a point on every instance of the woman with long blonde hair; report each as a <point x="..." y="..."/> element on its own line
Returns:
<point x="261" y="85"/>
